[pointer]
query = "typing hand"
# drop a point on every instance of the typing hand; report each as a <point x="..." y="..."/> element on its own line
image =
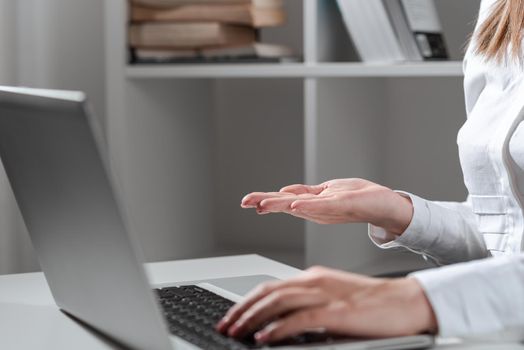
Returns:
<point x="337" y="302"/>
<point x="337" y="202"/>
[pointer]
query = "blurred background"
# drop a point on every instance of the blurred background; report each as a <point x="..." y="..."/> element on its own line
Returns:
<point x="189" y="137"/>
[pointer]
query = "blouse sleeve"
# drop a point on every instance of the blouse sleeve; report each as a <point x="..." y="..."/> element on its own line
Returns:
<point x="446" y="232"/>
<point x="480" y="298"/>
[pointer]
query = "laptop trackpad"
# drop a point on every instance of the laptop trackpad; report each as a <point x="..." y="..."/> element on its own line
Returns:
<point x="239" y="285"/>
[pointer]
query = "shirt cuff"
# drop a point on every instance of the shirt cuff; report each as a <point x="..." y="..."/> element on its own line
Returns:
<point x="418" y="237"/>
<point x="468" y="300"/>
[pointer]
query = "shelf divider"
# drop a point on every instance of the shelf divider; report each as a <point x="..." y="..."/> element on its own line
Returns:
<point x="296" y="70"/>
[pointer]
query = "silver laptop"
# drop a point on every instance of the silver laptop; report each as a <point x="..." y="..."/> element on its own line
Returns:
<point x="54" y="157"/>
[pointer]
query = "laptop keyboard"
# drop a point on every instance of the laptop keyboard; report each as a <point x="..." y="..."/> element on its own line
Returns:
<point x="192" y="313"/>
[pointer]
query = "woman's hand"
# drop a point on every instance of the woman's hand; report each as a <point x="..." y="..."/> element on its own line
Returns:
<point x="337" y="202"/>
<point x="333" y="301"/>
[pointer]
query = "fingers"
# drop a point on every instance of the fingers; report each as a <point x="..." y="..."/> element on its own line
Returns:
<point x="276" y="205"/>
<point x="318" y="205"/>
<point x="276" y="304"/>
<point x="273" y="201"/>
<point x="283" y="203"/>
<point x="303" y="189"/>
<point x="304" y="280"/>
<point x="252" y="200"/>
<point x="296" y="323"/>
<point x="321" y="209"/>
<point x="251" y="298"/>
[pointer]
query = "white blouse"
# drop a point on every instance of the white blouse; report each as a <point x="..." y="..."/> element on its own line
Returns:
<point x="485" y="296"/>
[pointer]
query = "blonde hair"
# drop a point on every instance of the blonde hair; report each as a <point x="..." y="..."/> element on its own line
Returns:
<point x="501" y="33"/>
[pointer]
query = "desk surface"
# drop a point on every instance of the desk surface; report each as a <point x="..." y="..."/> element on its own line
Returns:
<point x="29" y="318"/>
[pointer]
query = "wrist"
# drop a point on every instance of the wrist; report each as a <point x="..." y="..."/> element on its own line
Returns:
<point x="401" y="214"/>
<point x="423" y="313"/>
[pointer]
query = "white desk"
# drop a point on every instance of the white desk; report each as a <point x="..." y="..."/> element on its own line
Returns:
<point x="30" y="320"/>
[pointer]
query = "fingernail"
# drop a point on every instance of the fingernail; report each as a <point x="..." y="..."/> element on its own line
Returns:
<point x="220" y="324"/>
<point x="261" y="337"/>
<point x="233" y="330"/>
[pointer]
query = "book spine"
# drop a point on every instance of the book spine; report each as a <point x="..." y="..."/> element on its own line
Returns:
<point x="402" y="29"/>
<point x="422" y="17"/>
<point x="371" y="30"/>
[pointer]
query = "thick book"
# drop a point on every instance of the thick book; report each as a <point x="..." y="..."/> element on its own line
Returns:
<point x="189" y="35"/>
<point x="245" y="14"/>
<point x="212" y="60"/>
<point x="425" y="26"/>
<point x="262" y="50"/>
<point x="256" y="50"/>
<point x="174" y="3"/>
<point x="160" y="56"/>
<point x="371" y="30"/>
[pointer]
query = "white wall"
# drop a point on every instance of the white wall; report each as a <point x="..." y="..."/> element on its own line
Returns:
<point x="7" y="41"/>
<point x="259" y="128"/>
<point x="15" y="249"/>
<point x="49" y="44"/>
<point x="62" y="46"/>
<point x="163" y="164"/>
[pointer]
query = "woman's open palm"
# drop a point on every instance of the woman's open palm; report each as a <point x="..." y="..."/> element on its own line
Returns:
<point x="336" y="202"/>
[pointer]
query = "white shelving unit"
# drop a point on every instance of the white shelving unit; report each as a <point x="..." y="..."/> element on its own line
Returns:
<point x="298" y="70"/>
<point x="189" y="140"/>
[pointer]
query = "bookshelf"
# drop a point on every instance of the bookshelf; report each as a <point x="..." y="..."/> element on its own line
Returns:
<point x="189" y="140"/>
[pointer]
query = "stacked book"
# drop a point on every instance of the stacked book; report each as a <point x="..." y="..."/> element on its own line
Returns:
<point x="394" y="30"/>
<point x="172" y="31"/>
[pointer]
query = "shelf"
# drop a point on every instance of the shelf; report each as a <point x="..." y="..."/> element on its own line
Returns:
<point x="296" y="70"/>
